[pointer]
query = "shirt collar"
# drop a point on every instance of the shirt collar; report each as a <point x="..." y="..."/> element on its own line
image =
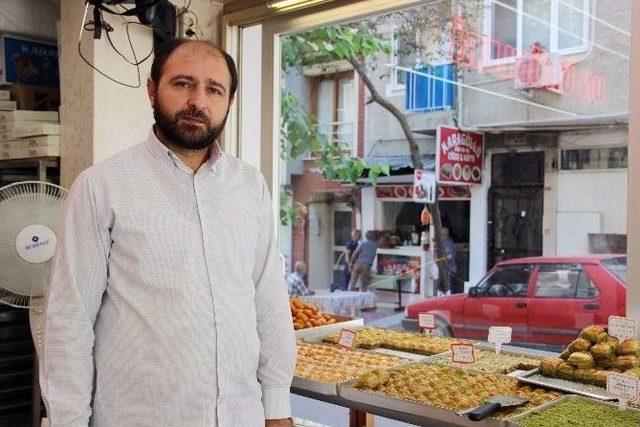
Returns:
<point x="161" y="152"/>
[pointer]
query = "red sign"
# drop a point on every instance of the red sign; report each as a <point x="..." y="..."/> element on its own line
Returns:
<point x="445" y="192"/>
<point x="459" y="157"/>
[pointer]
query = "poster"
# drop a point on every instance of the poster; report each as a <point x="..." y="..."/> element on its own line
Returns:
<point x="28" y="61"/>
<point x="460" y="156"/>
<point x="424" y="187"/>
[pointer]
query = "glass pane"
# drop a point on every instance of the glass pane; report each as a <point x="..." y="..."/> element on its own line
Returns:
<point x="507" y="281"/>
<point x="558" y="280"/>
<point x="341" y="228"/>
<point x="571" y="19"/>
<point x="504" y="29"/>
<point x="536" y="27"/>
<point x="617" y="266"/>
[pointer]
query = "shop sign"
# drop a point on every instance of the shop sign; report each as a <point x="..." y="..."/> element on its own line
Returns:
<point x="459" y="157"/>
<point x="622" y="328"/>
<point x="347" y="338"/>
<point x="405" y="192"/>
<point x="463" y="353"/>
<point x="424" y="187"/>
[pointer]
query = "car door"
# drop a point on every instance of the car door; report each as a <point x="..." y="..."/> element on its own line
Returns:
<point x="565" y="300"/>
<point x="501" y="299"/>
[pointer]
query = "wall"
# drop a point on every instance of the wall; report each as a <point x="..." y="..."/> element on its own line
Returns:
<point x="34" y="18"/>
<point x="484" y="108"/>
<point x="99" y="117"/>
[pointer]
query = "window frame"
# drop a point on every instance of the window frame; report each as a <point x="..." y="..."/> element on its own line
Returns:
<point x="393" y="87"/>
<point x="575" y="294"/>
<point x="488" y="61"/>
<point x="597" y="147"/>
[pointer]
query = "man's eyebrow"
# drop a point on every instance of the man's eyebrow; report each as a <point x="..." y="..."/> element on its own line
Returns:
<point x="215" y="83"/>
<point x="183" y="77"/>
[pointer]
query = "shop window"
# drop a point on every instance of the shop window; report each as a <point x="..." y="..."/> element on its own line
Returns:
<point x="430" y="89"/>
<point x="506" y="281"/>
<point x="564" y="281"/>
<point x="517" y="25"/>
<point x="594" y="158"/>
<point x="516" y="169"/>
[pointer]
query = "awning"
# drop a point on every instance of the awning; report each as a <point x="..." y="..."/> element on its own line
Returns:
<point x="396" y="154"/>
<point x="402" y="162"/>
<point x="572" y="123"/>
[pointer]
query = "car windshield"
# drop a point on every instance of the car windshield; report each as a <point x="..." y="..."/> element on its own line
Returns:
<point x="617" y="266"/>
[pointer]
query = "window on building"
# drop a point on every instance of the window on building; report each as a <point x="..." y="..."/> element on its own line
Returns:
<point x="564" y="281"/>
<point x="517" y="25"/>
<point x="335" y="109"/>
<point x="594" y="158"/>
<point x="430" y="89"/>
<point x="402" y="56"/>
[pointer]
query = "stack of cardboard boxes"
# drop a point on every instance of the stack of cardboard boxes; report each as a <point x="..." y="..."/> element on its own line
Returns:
<point x="25" y="133"/>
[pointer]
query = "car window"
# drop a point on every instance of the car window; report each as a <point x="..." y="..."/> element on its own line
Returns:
<point x="617" y="266"/>
<point x="511" y="280"/>
<point x="564" y="281"/>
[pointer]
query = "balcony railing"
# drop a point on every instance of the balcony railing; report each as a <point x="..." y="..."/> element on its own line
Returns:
<point x="341" y="133"/>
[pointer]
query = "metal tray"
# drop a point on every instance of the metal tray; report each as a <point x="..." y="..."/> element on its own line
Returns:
<point x="318" y="332"/>
<point x="328" y="389"/>
<point x="514" y="420"/>
<point x="404" y="354"/>
<point x="431" y="414"/>
<point x="508" y="351"/>
<point x="570" y="387"/>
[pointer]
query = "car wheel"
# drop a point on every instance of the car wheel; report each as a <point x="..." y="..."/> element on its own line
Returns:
<point x="442" y="329"/>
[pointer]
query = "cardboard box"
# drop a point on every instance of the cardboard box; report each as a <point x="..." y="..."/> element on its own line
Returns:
<point x="40" y="141"/>
<point x="28" y="129"/>
<point x="25" y="115"/>
<point x="39" y="98"/>
<point x="8" y="105"/>
<point x="28" y="152"/>
<point x="5" y="95"/>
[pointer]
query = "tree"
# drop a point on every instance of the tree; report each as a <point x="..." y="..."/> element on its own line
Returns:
<point x="422" y="30"/>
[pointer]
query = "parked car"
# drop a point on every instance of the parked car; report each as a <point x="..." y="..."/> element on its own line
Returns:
<point x="546" y="300"/>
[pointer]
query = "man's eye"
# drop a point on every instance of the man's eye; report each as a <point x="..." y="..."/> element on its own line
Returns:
<point x="214" y="90"/>
<point x="182" y="83"/>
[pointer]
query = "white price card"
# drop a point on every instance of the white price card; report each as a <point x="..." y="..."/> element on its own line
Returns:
<point x="623" y="387"/>
<point x="499" y="335"/>
<point x="347" y="338"/>
<point x="622" y="328"/>
<point x="426" y="321"/>
<point x="463" y="353"/>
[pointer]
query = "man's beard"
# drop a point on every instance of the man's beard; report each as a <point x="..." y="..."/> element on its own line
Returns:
<point x="186" y="136"/>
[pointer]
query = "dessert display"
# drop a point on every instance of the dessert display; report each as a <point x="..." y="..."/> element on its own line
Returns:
<point x="492" y="363"/>
<point x="590" y="358"/>
<point x="307" y="316"/>
<point x="371" y="338"/>
<point x="450" y="388"/>
<point x="324" y="363"/>
<point x="581" y="412"/>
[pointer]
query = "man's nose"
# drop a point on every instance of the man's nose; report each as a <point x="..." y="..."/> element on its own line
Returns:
<point x="197" y="98"/>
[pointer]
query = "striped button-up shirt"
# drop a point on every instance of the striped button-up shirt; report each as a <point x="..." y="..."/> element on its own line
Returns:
<point x="166" y="304"/>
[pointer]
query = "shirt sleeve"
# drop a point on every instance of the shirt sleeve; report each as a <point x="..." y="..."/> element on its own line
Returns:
<point x="275" y="325"/>
<point x="77" y="282"/>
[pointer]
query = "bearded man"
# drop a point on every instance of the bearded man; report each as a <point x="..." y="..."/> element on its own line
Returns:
<point x="166" y="304"/>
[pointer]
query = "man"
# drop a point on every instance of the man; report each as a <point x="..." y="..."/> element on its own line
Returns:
<point x="449" y="250"/>
<point x="361" y="261"/>
<point x="150" y="318"/>
<point x="295" y="281"/>
<point x="349" y="248"/>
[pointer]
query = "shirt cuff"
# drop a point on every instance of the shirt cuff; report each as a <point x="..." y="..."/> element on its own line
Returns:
<point x="277" y="403"/>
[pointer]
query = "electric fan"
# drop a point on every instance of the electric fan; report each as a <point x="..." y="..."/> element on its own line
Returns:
<point x="29" y="213"/>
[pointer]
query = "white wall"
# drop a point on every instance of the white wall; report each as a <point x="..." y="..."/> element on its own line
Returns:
<point x="35" y="18"/>
<point x="113" y="117"/>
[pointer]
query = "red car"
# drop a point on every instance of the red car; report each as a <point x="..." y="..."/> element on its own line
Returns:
<point x="546" y="300"/>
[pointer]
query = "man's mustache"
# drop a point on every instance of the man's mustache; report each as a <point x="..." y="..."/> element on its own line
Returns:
<point x="193" y="114"/>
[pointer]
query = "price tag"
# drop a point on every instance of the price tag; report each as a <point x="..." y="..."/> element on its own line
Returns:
<point x="347" y="338"/>
<point x="426" y="321"/>
<point x="463" y="353"/>
<point x="622" y="328"/>
<point x="623" y="387"/>
<point x="499" y="335"/>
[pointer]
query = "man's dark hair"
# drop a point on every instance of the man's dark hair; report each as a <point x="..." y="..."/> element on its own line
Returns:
<point x="165" y="50"/>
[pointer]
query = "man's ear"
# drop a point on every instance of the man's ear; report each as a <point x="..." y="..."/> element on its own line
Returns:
<point x="151" y="90"/>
